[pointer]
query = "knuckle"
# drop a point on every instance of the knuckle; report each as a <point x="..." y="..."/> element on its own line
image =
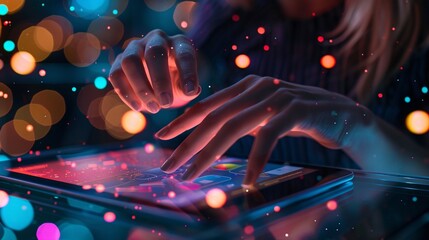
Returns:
<point x="128" y="59"/>
<point x="155" y="51"/>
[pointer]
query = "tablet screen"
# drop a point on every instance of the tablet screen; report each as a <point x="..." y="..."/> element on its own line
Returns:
<point x="135" y="173"/>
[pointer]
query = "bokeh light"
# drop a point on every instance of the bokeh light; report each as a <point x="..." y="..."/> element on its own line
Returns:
<point x="328" y="61"/>
<point x="53" y="102"/>
<point x="108" y="30"/>
<point x="36" y="116"/>
<point x="149" y="148"/>
<point x="8" y="234"/>
<point x="59" y="27"/>
<point x="160" y="6"/>
<point x="5" y="102"/>
<point x="9" y="46"/>
<point x="216" y="198"/>
<point x="17" y="214"/>
<point x="48" y="231"/>
<point x="114" y="122"/>
<point x="73" y="231"/>
<point x="23" y="63"/>
<point x="94" y="114"/>
<point x="261" y="30"/>
<point x="133" y="122"/>
<point x="86" y="95"/>
<point x="184" y="14"/>
<point x="89" y="9"/>
<point x="100" y="82"/>
<point x="11" y="142"/>
<point x="3" y="9"/>
<point x="417" y="122"/>
<point x="109" y="217"/>
<point x="37" y="41"/>
<point x="425" y="90"/>
<point x="242" y="61"/>
<point x="331" y="205"/>
<point x="82" y="49"/>
<point x="12" y="6"/>
<point x="4" y="198"/>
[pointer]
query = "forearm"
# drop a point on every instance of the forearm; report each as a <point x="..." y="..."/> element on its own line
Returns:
<point x="382" y="148"/>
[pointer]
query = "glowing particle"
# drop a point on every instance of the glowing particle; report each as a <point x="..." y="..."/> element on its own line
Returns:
<point x="184" y="24"/>
<point x="276" y="81"/>
<point x="23" y="63"/>
<point x="109" y="217"/>
<point x="100" y="188"/>
<point x="393" y="29"/>
<point x="124" y="166"/>
<point x="380" y="95"/>
<point x="4" y="198"/>
<point x="276" y="209"/>
<point x="407" y="99"/>
<point x="248" y="230"/>
<point x="73" y="89"/>
<point x="424" y="89"/>
<point x="48" y="231"/>
<point x="100" y="82"/>
<point x="9" y="46"/>
<point x="3" y="10"/>
<point x="171" y="194"/>
<point x="115" y="12"/>
<point x="417" y="122"/>
<point x="17" y="214"/>
<point x="149" y="148"/>
<point x="72" y="8"/>
<point x="414" y="199"/>
<point x="320" y="39"/>
<point x="261" y="30"/>
<point x="42" y="72"/>
<point x="328" y="61"/>
<point x="235" y="18"/>
<point x="29" y="128"/>
<point x="234" y="47"/>
<point x="133" y="122"/>
<point x="5" y="96"/>
<point x="332" y="205"/>
<point x="242" y="61"/>
<point x="266" y="48"/>
<point x="86" y="187"/>
<point x="215" y="198"/>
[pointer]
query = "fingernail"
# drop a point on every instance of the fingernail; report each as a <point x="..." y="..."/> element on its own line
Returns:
<point x="189" y="88"/>
<point x="189" y="173"/>
<point x="167" y="164"/>
<point x="135" y="105"/>
<point x="161" y="133"/>
<point x="165" y="99"/>
<point x="153" y="107"/>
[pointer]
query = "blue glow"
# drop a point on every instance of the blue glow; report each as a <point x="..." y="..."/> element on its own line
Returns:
<point x="100" y="83"/>
<point x="8" y="234"/>
<point x="424" y="89"/>
<point x="90" y="9"/>
<point x="414" y="199"/>
<point x="115" y="12"/>
<point x="17" y="214"/>
<point x="3" y="158"/>
<point x="74" y="89"/>
<point x="407" y="99"/>
<point x="9" y="46"/>
<point x="3" y="10"/>
<point x="71" y="231"/>
<point x="72" y="8"/>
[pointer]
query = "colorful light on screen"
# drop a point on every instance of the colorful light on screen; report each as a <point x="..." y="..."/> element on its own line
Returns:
<point x="4" y="198"/>
<point x="417" y="122"/>
<point x="9" y="46"/>
<point x="242" y="61"/>
<point x="332" y="205"/>
<point x="17" y="214"/>
<point x="133" y="122"/>
<point x="149" y="148"/>
<point x="216" y="198"/>
<point x="328" y="61"/>
<point x="100" y="82"/>
<point x="48" y="231"/>
<point x="109" y="217"/>
<point x="23" y="63"/>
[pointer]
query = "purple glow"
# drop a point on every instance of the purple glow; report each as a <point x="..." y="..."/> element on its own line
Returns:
<point x="48" y="231"/>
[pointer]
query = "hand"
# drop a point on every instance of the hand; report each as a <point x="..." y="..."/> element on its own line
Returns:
<point x="269" y="108"/>
<point x="156" y="72"/>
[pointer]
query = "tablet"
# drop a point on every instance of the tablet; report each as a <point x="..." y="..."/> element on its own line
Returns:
<point x="131" y="177"/>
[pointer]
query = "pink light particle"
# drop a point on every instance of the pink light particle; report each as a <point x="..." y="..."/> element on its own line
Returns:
<point x="109" y="217"/>
<point x="332" y="205"/>
<point x="48" y="231"/>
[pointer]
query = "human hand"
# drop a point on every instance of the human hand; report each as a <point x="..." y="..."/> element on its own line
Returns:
<point x="270" y="109"/>
<point x="156" y="71"/>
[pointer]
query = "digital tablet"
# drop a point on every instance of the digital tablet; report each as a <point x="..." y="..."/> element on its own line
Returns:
<point x="131" y="179"/>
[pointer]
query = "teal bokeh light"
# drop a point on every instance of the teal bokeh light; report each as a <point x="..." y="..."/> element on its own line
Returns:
<point x="100" y="83"/>
<point x="3" y="10"/>
<point x="9" y="46"/>
<point x="89" y="9"/>
<point x="424" y="89"/>
<point x="17" y="214"/>
<point x="407" y="99"/>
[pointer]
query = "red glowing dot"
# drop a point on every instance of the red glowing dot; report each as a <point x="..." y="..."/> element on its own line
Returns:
<point x="234" y="47"/>
<point x="86" y="187"/>
<point x="248" y="230"/>
<point x="332" y="205"/>
<point x="171" y="194"/>
<point x="109" y="217"/>
<point x="365" y="71"/>
<point x="266" y="48"/>
<point x="19" y="159"/>
<point x="124" y="166"/>
<point x="320" y="39"/>
<point x="235" y="18"/>
<point x="276" y="209"/>
<point x="331" y="41"/>
<point x="184" y="24"/>
<point x="276" y="81"/>
<point x="380" y="95"/>
<point x="100" y="188"/>
<point x="328" y="61"/>
<point x="133" y="217"/>
<point x="42" y="73"/>
<point x="393" y="29"/>
<point x="313" y="14"/>
<point x="108" y="27"/>
<point x="401" y="68"/>
<point x="261" y="30"/>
